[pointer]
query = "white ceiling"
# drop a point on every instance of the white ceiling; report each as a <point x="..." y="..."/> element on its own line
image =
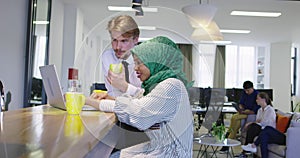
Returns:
<point x="263" y="30"/>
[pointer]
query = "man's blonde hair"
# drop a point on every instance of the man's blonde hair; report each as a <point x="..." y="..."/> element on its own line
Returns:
<point x="124" y="24"/>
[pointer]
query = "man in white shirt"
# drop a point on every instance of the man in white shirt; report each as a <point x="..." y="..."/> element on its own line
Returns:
<point x="124" y="34"/>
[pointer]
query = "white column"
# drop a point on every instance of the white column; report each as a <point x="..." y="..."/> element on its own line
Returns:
<point x="280" y="75"/>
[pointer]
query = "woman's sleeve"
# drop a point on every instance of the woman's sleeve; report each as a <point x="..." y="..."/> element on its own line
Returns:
<point x="158" y="106"/>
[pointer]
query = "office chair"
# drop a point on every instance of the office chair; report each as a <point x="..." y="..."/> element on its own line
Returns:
<point x="8" y="100"/>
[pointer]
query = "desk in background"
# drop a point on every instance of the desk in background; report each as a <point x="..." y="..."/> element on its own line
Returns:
<point x="44" y="131"/>
<point x="226" y="109"/>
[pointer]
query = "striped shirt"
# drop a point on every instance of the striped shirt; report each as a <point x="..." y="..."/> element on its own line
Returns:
<point x="108" y="57"/>
<point x="168" y="104"/>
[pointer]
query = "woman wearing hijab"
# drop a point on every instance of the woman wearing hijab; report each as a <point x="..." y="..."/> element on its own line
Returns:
<point x="161" y="107"/>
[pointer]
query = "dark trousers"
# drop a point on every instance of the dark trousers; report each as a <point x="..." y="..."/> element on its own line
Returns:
<point x="269" y="135"/>
<point x="253" y="130"/>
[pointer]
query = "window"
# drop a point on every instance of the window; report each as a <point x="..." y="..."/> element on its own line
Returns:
<point x="203" y="65"/>
<point x="240" y="65"/>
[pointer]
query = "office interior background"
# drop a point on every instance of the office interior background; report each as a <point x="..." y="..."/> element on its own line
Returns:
<point x="77" y="36"/>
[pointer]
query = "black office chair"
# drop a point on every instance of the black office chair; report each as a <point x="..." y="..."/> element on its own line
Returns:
<point x="8" y="100"/>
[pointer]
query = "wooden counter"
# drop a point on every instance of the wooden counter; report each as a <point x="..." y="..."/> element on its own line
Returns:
<point x="44" y="131"/>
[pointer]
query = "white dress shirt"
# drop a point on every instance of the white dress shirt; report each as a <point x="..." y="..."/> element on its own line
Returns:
<point x="167" y="104"/>
<point x="108" y="57"/>
<point x="267" y="116"/>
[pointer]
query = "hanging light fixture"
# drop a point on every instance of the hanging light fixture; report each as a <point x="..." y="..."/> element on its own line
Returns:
<point x="137" y="2"/>
<point x="199" y="14"/>
<point x="201" y="18"/>
<point x="137" y="6"/>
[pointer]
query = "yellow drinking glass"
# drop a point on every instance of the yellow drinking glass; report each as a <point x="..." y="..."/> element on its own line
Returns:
<point x="74" y="102"/>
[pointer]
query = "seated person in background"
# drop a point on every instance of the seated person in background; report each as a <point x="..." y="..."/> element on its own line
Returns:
<point x="160" y="104"/>
<point x="247" y="105"/>
<point x="269" y="135"/>
<point x="266" y="116"/>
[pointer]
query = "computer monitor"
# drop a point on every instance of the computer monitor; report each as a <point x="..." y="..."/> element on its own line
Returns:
<point x="212" y="94"/>
<point x="268" y="91"/>
<point x="238" y="92"/>
<point x="230" y="95"/>
<point x="194" y="95"/>
<point x="234" y="94"/>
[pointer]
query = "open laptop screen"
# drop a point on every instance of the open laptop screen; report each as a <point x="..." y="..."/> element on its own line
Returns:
<point x="52" y="86"/>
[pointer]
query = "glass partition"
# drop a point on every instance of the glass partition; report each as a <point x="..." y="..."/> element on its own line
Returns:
<point x="36" y="50"/>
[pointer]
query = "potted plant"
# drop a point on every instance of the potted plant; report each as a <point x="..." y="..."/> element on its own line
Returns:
<point x="219" y="132"/>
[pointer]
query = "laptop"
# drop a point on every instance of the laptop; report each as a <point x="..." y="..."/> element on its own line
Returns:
<point x="53" y="88"/>
<point x="236" y="106"/>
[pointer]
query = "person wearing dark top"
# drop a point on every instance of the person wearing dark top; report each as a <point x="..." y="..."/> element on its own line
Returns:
<point x="247" y="106"/>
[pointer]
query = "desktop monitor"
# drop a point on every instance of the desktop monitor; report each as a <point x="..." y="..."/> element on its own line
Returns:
<point x="234" y="94"/>
<point x="230" y="95"/>
<point x="268" y="91"/>
<point x="238" y="92"/>
<point x="213" y="93"/>
<point x="194" y="95"/>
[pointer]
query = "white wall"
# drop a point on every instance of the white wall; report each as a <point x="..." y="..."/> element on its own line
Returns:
<point x="13" y="27"/>
<point x="280" y="75"/>
<point x="56" y="35"/>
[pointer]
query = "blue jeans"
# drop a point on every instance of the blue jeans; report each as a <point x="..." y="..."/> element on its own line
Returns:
<point x="269" y="135"/>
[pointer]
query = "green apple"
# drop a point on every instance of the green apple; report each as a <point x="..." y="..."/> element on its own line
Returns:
<point x="116" y="68"/>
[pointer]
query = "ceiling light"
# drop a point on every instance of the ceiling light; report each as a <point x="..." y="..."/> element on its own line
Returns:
<point x="250" y="13"/>
<point x="121" y="8"/>
<point x="142" y="39"/>
<point x="41" y="22"/>
<point x="234" y="31"/>
<point x="216" y="42"/>
<point x="200" y="15"/>
<point x="152" y="28"/>
<point x="137" y="2"/>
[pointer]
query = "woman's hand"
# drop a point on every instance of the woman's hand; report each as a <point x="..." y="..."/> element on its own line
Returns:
<point x="102" y="95"/>
<point x="258" y="120"/>
<point x="92" y="102"/>
<point x="99" y="96"/>
<point x="247" y="124"/>
<point x="95" y="98"/>
<point x="117" y="80"/>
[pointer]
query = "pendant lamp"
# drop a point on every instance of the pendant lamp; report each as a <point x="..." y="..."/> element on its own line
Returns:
<point x="199" y="14"/>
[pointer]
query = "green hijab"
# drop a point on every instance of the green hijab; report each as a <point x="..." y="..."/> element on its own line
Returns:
<point x="164" y="60"/>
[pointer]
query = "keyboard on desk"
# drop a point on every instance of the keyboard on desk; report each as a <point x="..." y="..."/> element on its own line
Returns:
<point x="88" y="108"/>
